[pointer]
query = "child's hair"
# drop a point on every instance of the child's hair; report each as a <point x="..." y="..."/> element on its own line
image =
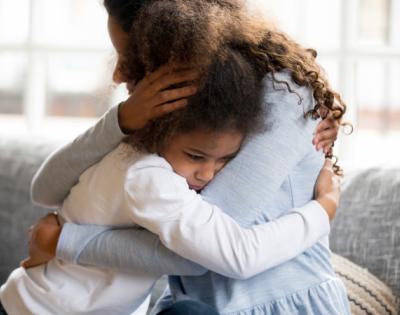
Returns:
<point x="124" y="11"/>
<point x="229" y="99"/>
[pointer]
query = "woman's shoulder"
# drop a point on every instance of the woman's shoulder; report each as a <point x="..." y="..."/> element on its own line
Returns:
<point x="281" y="89"/>
<point x="282" y="79"/>
<point x="286" y="104"/>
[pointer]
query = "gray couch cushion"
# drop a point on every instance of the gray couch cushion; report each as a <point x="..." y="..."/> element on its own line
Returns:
<point x="367" y="226"/>
<point x="19" y="160"/>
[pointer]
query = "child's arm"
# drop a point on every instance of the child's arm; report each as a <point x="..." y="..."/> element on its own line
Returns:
<point x="161" y="202"/>
<point x="240" y="253"/>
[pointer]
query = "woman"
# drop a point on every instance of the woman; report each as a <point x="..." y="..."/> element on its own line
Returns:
<point x="275" y="171"/>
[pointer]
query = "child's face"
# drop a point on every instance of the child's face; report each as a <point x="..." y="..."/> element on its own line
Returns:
<point x="199" y="156"/>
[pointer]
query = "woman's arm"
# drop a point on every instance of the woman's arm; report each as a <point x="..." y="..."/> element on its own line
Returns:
<point x="146" y="253"/>
<point x="139" y="250"/>
<point x="61" y="170"/>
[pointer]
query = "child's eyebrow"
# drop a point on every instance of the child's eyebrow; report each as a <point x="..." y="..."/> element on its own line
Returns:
<point x="197" y="151"/>
<point x="232" y="155"/>
<point x="228" y="156"/>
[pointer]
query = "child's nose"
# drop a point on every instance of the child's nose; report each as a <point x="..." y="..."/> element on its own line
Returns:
<point x="206" y="173"/>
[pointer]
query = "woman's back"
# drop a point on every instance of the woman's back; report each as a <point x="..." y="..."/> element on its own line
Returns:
<point x="305" y="284"/>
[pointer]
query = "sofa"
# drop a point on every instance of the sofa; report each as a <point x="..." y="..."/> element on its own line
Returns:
<point x="365" y="233"/>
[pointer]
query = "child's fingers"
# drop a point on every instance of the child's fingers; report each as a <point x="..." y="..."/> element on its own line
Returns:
<point x="169" y="107"/>
<point x="324" y="145"/>
<point x="327" y="123"/>
<point x="328" y="165"/>
<point x="28" y="263"/>
<point x="24" y="263"/>
<point x="322" y="125"/>
<point x="326" y="135"/>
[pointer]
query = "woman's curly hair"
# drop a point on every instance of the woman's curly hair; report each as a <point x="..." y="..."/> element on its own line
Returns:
<point x="195" y="32"/>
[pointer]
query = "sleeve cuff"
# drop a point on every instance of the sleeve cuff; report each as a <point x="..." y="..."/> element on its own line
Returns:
<point x="74" y="238"/>
<point x="112" y="121"/>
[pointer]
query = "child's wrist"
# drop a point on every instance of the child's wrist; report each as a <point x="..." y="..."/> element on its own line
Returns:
<point x="329" y="204"/>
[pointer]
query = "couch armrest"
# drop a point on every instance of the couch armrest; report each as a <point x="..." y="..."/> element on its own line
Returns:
<point x="19" y="160"/>
<point x="367" y="227"/>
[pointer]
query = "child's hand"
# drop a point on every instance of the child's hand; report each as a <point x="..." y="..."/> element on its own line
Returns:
<point x="150" y="99"/>
<point x="43" y="239"/>
<point x="326" y="134"/>
<point x="327" y="189"/>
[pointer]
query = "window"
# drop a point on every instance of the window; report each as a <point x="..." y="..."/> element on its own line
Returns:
<point x="359" y="47"/>
<point x="56" y="66"/>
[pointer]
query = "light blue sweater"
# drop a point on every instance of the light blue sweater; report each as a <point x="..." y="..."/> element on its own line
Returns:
<point x="274" y="172"/>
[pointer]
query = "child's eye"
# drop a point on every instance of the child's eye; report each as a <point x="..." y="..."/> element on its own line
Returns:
<point x="194" y="157"/>
<point x="228" y="158"/>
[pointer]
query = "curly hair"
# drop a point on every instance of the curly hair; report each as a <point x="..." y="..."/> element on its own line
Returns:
<point x="124" y="11"/>
<point x="189" y="33"/>
<point x="230" y="84"/>
<point x="194" y="32"/>
<point x="229" y="99"/>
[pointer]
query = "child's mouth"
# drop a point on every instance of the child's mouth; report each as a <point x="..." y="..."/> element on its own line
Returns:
<point x="196" y="187"/>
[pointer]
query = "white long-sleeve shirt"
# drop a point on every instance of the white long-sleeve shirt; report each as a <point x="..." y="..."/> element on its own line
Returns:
<point x="127" y="188"/>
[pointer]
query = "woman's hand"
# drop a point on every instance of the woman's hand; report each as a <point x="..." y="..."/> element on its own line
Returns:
<point x="326" y="134"/>
<point x="327" y="189"/>
<point x="43" y="239"/>
<point x="151" y="97"/>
